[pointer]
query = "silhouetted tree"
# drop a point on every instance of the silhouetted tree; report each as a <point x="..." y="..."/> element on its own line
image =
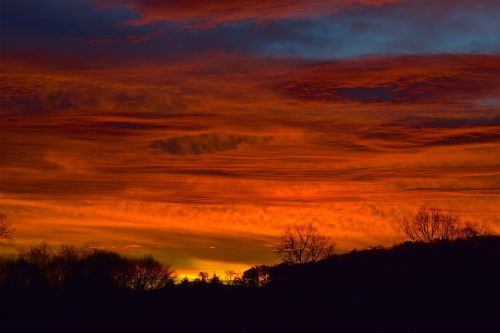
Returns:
<point x="237" y="280"/>
<point x="303" y="243"/>
<point x="215" y="280"/>
<point x="73" y="268"/>
<point x="6" y="228"/>
<point x="202" y="277"/>
<point x="185" y="282"/>
<point x="148" y="273"/>
<point x="231" y="276"/>
<point x="256" y="276"/>
<point x="471" y="229"/>
<point x="430" y="224"/>
<point x="39" y="254"/>
<point x="30" y="268"/>
<point x="104" y="269"/>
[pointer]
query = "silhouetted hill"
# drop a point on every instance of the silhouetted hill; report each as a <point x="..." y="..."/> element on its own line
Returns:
<point x="449" y="286"/>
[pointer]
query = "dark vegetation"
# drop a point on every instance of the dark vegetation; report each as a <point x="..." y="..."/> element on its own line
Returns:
<point x="6" y="229"/>
<point x="444" y="284"/>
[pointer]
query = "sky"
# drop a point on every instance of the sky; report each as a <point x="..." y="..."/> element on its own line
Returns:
<point x="199" y="130"/>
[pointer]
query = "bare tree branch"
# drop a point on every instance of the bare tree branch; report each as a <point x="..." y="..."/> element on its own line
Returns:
<point x="302" y="243"/>
<point x="431" y="224"/>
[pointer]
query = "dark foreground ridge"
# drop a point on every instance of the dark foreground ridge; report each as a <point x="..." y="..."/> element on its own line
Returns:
<point x="447" y="286"/>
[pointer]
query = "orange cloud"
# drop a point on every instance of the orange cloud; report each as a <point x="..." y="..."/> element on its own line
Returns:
<point x="85" y="153"/>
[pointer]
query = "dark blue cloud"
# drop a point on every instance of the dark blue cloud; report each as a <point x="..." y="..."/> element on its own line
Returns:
<point x="413" y="27"/>
<point x="42" y="21"/>
<point x="207" y="143"/>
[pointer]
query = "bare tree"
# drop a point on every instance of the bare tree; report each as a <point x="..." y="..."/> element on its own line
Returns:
<point x="303" y="243"/>
<point x="231" y="276"/>
<point x="6" y="228"/>
<point x="202" y="277"/>
<point x="148" y="273"/>
<point x="431" y="224"/>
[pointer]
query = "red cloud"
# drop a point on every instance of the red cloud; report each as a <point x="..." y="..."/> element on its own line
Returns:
<point x="441" y="79"/>
<point x="210" y="13"/>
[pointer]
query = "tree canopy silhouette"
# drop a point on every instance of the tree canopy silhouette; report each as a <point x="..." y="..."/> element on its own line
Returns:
<point x="148" y="273"/>
<point x="256" y="276"/>
<point x="431" y="224"/>
<point x="303" y="243"/>
<point x="72" y="267"/>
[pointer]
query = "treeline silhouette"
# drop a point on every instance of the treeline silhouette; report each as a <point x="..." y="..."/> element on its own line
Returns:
<point x="448" y="285"/>
<point x="72" y="267"/>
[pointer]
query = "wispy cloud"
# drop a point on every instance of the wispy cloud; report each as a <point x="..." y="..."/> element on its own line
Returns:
<point x="211" y="13"/>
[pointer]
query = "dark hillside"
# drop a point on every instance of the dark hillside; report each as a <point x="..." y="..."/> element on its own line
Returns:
<point x="451" y="286"/>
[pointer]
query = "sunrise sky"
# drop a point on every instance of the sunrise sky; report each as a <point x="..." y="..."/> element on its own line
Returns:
<point x="198" y="130"/>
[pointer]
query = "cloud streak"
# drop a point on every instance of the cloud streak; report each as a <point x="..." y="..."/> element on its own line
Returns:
<point x="211" y="13"/>
<point x="207" y="143"/>
<point x="401" y="80"/>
